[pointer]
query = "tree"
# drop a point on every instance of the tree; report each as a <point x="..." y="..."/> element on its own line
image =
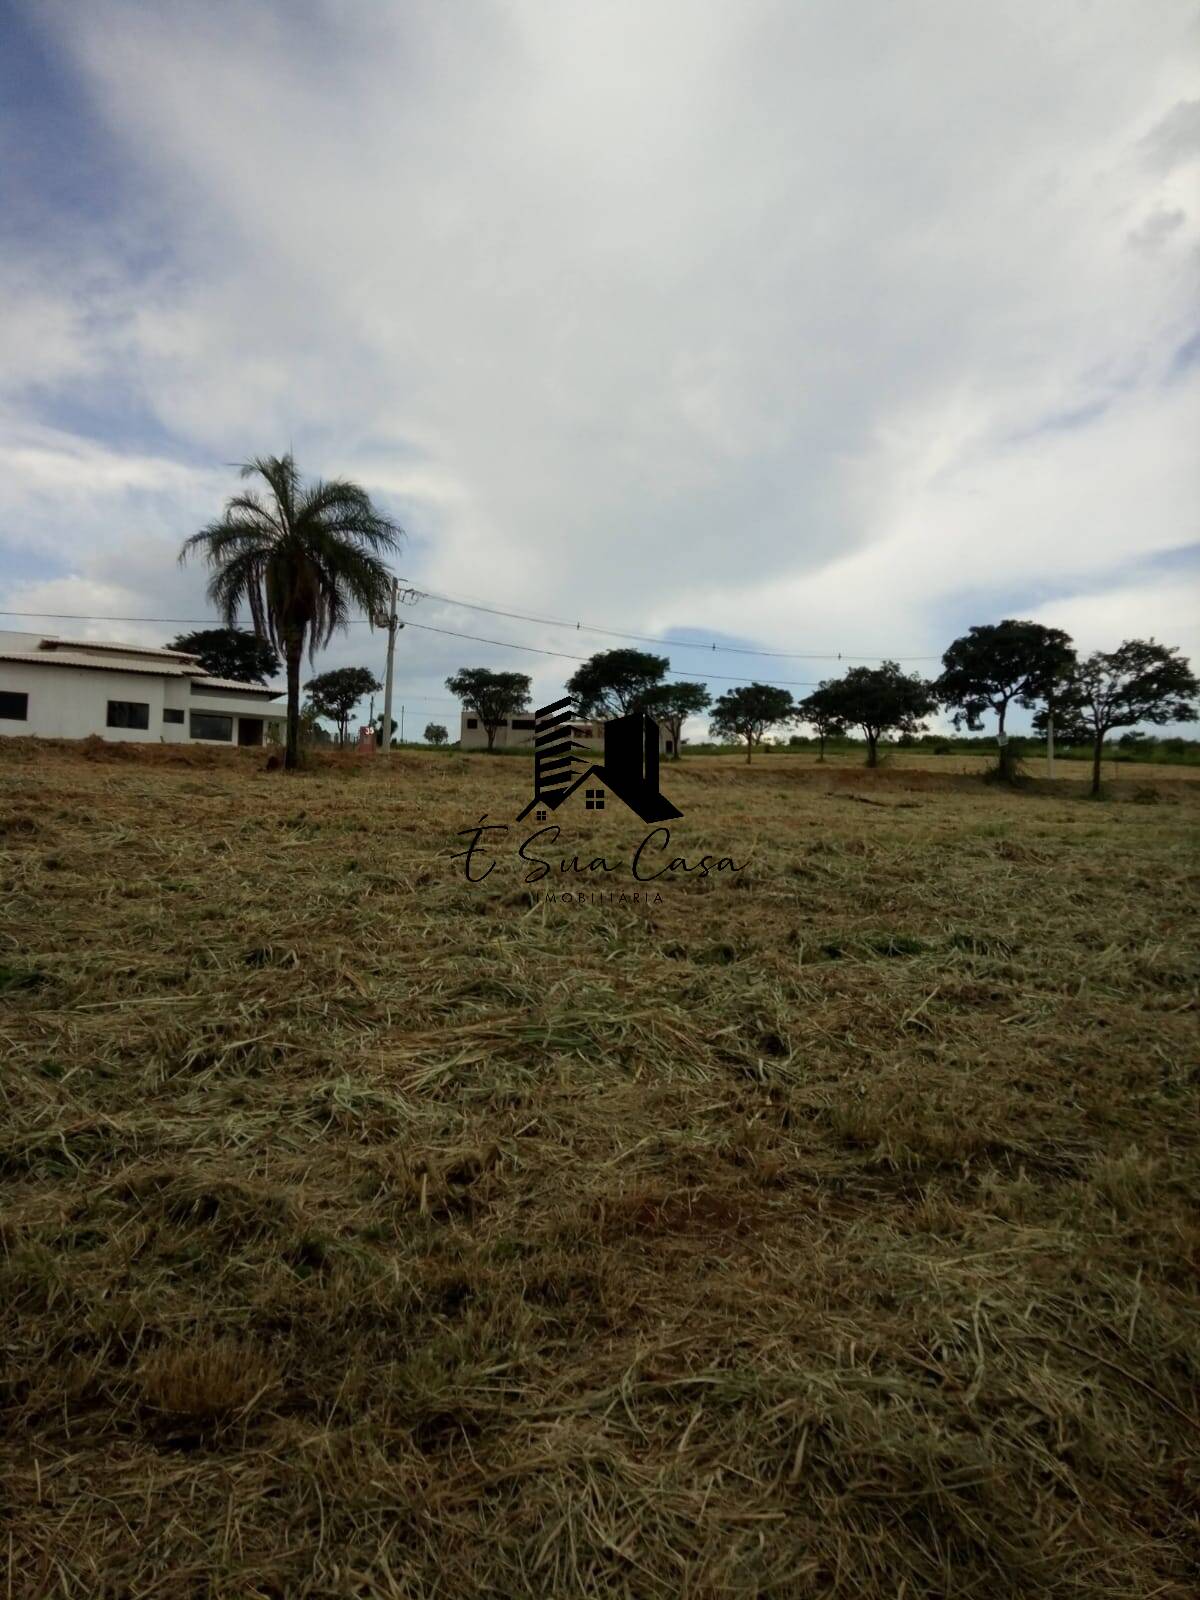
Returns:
<point x="880" y="700"/>
<point x="616" y="682"/>
<point x="748" y="712"/>
<point x="1141" y="681"/>
<point x="300" y="561"/>
<point x="310" y="729"/>
<point x="991" y="666"/>
<point x="377" y="726"/>
<point x="492" y="696"/>
<point x="673" y="703"/>
<point x="820" y="711"/>
<point x="435" y="733"/>
<point x="230" y="653"/>
<point x="1070" y="728"/>
<point x="335" y="694"/>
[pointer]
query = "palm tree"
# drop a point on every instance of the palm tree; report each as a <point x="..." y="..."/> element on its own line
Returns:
<point x="298" y="560"/>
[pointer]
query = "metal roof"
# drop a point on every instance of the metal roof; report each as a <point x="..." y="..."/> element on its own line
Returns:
<point x="50" y="642"/>
<point x="156" y="669"/>
<point x="72" y="658"/>
<point x="203" y="681"/>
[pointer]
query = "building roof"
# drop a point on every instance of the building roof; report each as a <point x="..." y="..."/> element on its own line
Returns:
<point x="152" y="669"/>
<point x="52" y="643"/>
<point x="204" y="681"/>
<point x="79" y="658"/>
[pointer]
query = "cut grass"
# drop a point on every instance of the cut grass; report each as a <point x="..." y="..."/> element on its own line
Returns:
<point x="366" y="1232"/>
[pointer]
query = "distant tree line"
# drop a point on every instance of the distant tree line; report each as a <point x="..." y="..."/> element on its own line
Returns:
<point x="988" y="670"/>
<point x="300" y="556"/>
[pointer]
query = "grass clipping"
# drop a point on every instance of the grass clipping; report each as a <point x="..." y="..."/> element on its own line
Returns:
<point x="828" y="1230"/>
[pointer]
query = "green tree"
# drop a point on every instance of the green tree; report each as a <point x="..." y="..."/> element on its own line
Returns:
<point x="880" y="700"/>
<point x="435" y="733"/>
<point x="747" y="712"/>
<point x="300" y="559"/>
<point x="993" y="665"/>
<point x="492" y="696"/>
<point x="1070" y="728"/>
<point x="1141" y="681"/>
<point x="377" y="725"/>
<point x="231" y="653"/>
<point x="309" y="727"/>
<point x="335" y="694"/>
<point x="616" y="682"/>
<point x="672" y="704"/>
<point x="820" y="711"/>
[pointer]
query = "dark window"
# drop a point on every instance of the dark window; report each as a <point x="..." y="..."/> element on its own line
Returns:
<point x="670" y="747"/>
<point x="128" y="714"/>
<point x="207" y="725"/>
<point x="524" y="722"/>
<point x="581" y="733"/>
<point x="593" y="799"/>
<point x="172" y="715"/>
<point x="472" y="722"/>
<point x="14" y="707"/>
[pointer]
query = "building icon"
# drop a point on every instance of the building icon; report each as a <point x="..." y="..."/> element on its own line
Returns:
<point x="629" y="769"/>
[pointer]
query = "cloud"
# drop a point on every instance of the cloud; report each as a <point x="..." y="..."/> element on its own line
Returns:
<point x="1175" y="139"/>
<point x="820" y="328"/>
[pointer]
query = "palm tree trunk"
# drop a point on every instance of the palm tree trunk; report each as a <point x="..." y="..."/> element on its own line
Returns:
<point x="1096" y="751"/>
<point x="872" y="740"/>
<point x="291" y="757"/>
<point x="749" y="747"/>
<point x="1004" y="764"/>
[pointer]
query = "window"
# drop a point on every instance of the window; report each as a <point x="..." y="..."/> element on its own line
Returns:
<point x="14" y="707"/>
<point x="523" y="722"/>
<point x="171" y="714"/>
<point x="128" y="714"/>
<point x="207" y="725"/>
<point x="593" y="800"/>
<point x="472" y="722"/>
<point x="581" y="733"/>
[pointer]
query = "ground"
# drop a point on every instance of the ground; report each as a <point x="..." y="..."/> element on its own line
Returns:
<point x="826" y="1228"/>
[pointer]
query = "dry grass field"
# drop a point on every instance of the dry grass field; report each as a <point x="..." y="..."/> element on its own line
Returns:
<point x="824" y="1229"/>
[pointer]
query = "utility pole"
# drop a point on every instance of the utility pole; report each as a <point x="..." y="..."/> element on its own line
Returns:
<point x="1050" y="740"/>
<point x="391" y="622"/>
<point x="401" y="724"/>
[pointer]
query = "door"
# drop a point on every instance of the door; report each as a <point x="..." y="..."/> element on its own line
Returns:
<point x="250" y="730"/>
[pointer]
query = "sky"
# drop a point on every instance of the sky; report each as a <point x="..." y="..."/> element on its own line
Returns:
<point x="826" y="330"/>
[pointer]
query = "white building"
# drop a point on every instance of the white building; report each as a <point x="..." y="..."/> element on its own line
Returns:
<point x="517" y="733"/>
<point x="70" y="688"/>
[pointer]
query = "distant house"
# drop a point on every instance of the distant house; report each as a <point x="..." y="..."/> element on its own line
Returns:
<point x="517" y="733"/>
<point x="72" y="688"/>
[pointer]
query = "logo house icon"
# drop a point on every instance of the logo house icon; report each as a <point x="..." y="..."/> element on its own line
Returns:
<point x="629" y="769"/>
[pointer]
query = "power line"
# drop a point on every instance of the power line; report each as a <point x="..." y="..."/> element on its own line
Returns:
<point x="678" y="644"/>
<point x="92" y="616"/>
<point x="563" y="655"/>
<point x="519" y="616"/>
<point x="425" y="627"/>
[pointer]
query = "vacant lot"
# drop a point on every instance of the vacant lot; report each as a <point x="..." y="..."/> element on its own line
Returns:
<point x="828" y="1228"/>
